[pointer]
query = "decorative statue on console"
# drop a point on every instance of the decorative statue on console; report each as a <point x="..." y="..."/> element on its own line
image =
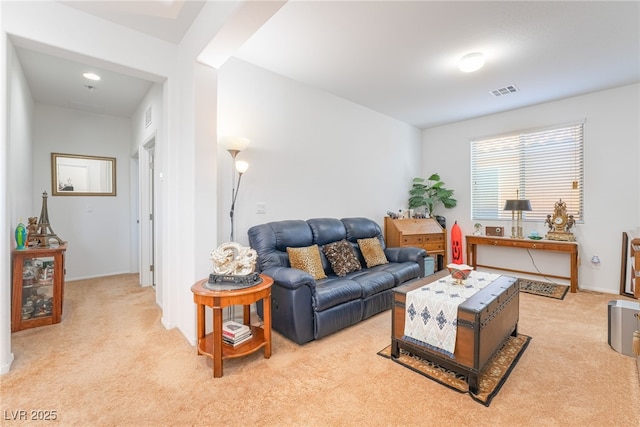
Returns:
<point x="233" y="259"/>
<point x="32" y="230"/>
<point x="560" y="223"/>
<point x="234" y="264"/>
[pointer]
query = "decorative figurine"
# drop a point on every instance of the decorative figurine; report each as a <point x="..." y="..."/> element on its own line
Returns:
<point x="233" y="259"/>
<point x="560" y="223"/>
<point x="45" y="232"/>
<point x="32" y="230"/>
<point x="21" y="236"/>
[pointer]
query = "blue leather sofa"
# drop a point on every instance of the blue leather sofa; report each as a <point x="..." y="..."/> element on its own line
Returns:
<point x="303" y="308"/>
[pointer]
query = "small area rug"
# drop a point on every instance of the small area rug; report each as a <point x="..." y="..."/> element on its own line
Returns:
<point x="490" y="380"/>
<point x="545" y="289"/>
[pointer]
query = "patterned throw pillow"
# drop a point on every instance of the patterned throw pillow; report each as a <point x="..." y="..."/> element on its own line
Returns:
<point x="342" y="257"/>
<point x="372" y="252"/>
<point x="307" y="259"/>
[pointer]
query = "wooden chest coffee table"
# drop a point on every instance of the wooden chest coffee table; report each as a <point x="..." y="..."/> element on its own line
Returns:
<point x="485" y="321"/>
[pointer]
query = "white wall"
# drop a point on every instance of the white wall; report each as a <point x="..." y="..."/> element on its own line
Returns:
<point x="6" y="356"/>
<point x="612" y="178"/>
<point x="144" y="139"/>
<point x="311" y="155"/>
<point x="97" y="228"/>
<point x="19" y="165"/>
<point x="20" y="147"/>
<point x="139" y="132"/>
<point x="16" y="180"/>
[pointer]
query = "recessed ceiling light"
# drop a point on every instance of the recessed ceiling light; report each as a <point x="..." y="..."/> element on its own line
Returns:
<point x="91" y="76"/>
<point x="471" y="62"/>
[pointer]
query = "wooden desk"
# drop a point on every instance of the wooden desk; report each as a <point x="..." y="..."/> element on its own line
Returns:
<point x="211" y="344"/>
<point x="541" y="245"/>
<point x="425" y="233"/>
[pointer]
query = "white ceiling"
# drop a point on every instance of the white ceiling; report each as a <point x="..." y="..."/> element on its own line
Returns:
<point x="167" y="20"/>
<point x="400" y="58"/>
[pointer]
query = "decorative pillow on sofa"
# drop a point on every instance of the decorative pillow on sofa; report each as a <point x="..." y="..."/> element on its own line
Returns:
<point x="342" y="257"/>
<point x="307" y="259"/>
<point x="372" y="252"/>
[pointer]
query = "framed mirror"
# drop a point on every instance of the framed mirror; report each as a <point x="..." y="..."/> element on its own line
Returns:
<point x="76" y="175"/>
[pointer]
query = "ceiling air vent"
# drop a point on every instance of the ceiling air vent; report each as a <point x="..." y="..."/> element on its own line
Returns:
<point x="504" y="90"/>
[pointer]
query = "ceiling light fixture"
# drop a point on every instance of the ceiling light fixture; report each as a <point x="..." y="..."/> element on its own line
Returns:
<point x="91" y="76"/>
<point x="471" y="62"/>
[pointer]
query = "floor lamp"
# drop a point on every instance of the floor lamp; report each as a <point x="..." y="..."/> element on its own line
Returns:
<point x="241" y="167"/>
<point x="516" y="206"/>
<point x="234" y="145"/>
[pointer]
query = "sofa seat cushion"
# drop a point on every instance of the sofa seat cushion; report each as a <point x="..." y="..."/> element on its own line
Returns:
<point x="373" y="282"/>
<point x="401" y="272"/>
<point x="334" y="291"/>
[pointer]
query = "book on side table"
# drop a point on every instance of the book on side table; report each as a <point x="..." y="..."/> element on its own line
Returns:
<point x="234" y="333"/>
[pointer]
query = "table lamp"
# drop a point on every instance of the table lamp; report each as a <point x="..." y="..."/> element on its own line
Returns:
<point x="516" y="206"/>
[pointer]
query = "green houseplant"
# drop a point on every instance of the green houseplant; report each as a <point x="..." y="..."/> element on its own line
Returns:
<point x="430" y="193"/>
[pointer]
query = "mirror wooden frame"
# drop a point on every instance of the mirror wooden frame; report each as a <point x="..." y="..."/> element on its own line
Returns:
<point x="97" y="175"/>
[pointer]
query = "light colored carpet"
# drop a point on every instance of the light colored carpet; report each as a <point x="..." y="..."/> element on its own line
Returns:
<point x="490" y="379"/>
<point x="111" y="363"/>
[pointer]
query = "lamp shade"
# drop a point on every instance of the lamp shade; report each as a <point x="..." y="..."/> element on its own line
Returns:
<point x="234" y="143"/>
<point x="517" y="205"/>
<point x="242" y="166"/>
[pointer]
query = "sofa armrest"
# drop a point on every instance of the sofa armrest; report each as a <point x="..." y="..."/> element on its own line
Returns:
<point x="290" y="278"/>
<point x="291" y="303"/>
<point x="407" y="254"/>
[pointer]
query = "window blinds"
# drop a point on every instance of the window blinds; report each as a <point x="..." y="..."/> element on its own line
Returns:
<point x="542" y="166"/>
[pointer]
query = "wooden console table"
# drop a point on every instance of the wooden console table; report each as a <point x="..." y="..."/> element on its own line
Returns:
<point x="540" y="245"/>
<point x="211" y="344"/>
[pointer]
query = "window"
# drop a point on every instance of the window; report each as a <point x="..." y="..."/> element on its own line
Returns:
<point x="542" y="166"/>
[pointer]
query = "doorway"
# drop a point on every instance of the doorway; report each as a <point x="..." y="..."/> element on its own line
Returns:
<point x="146" y="199"/>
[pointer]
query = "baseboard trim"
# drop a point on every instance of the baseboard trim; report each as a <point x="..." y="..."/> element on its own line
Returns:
<point x="7" y="366"/>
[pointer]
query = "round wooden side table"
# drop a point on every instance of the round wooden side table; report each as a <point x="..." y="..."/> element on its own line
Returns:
<point x="211" y="344"/>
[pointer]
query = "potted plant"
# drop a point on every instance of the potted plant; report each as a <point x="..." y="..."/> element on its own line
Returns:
<point x="430" y="193"/>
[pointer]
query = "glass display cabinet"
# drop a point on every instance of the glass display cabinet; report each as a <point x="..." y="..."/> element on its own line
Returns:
<point x="38" y="286"/>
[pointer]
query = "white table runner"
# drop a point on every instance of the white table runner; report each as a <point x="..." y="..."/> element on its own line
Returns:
<point x="431" y="315"/>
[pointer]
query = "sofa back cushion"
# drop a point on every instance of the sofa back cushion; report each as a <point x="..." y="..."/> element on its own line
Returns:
<point x="327" y="230"/>
<point x="362" y="228"/>
<point x="271" y="240"/>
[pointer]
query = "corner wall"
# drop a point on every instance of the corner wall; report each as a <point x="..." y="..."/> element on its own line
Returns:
<point x="612" y="177"/>
<point x="6" y="355"/>
<point x="96" y="227"/>
<point x="311" y="155"/>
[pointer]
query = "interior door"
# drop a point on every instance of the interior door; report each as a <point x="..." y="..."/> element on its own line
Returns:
<point x="152" y="228"/>
<point x="146" y="211"/>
